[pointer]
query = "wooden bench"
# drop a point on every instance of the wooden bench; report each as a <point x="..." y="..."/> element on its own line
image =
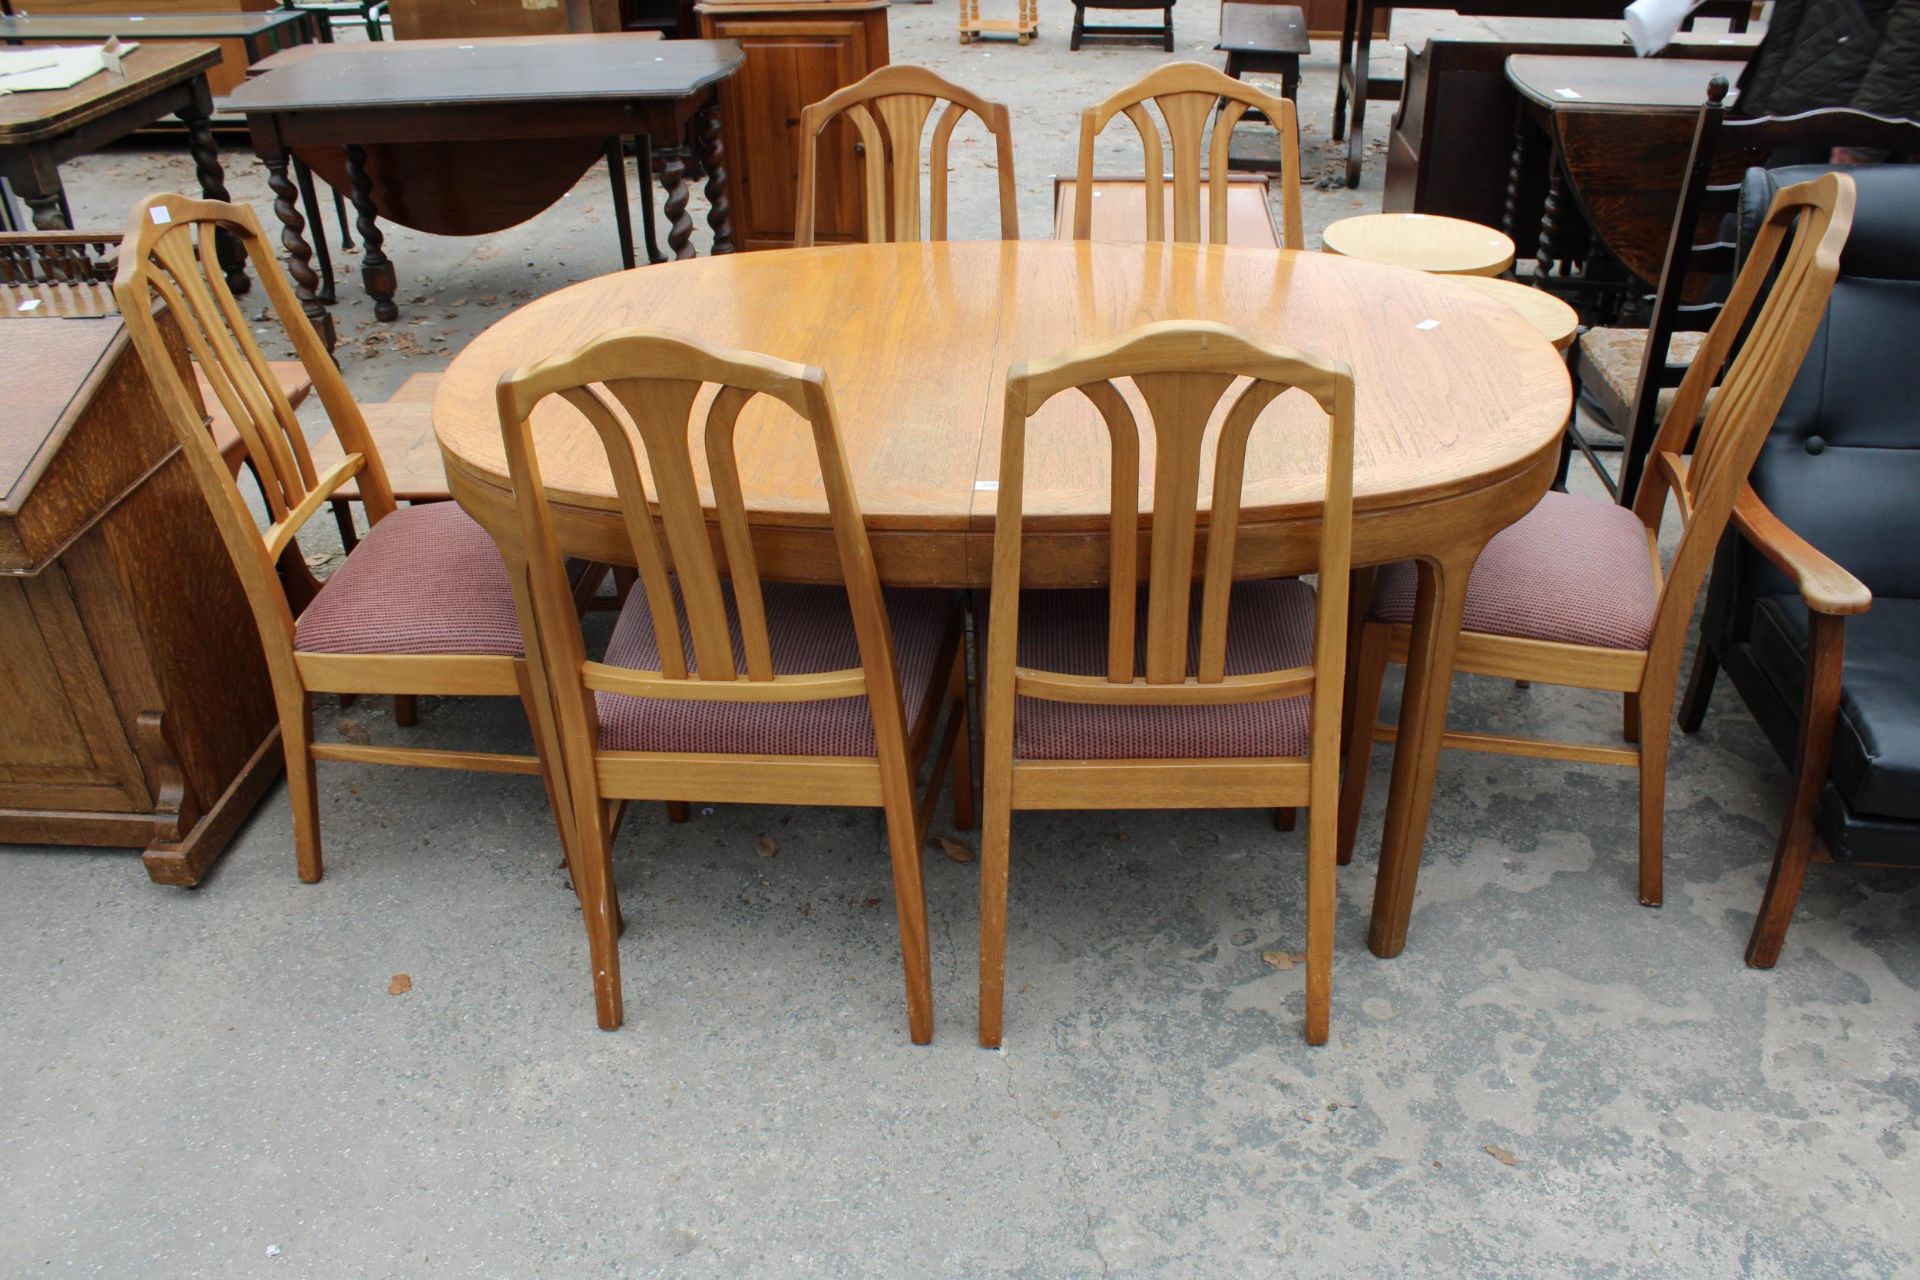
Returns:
<point x="1120" y="210"/>
<point x="1164" y="31"/>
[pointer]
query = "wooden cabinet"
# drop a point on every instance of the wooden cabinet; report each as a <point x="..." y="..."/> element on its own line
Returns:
<point x="137" y="705"/>
<point x="797" y="53"/>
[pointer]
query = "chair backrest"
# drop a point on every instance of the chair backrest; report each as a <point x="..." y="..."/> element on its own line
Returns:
<point x="1187" y="94"/>
<point x="668" y="391"/>
<point x="1788" y="276"/>
<point x="889" y="109"/>
<point x="1187" y="374"/>
<point x="1842" y="462"/>
<point x="168" y="257"/>
<point x="1699" y="250"/>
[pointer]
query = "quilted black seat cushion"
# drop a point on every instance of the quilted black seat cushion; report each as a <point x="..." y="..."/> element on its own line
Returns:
<point x="1876" y="746"/>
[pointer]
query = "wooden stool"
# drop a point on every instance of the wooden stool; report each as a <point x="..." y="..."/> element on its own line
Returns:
<point x="1267" y="39"/>
<point x="1022" y="26"/>
<point x="1444" y="246"/>
<point x="1164" y="31"/>
<point x="1554" y="319"/>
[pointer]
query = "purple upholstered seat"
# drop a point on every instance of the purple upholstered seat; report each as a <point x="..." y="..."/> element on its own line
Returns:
<point x="1269" y="628"/>
<point x="425" y="579"/>
<point x="809" y="629"/>
<point x="1573" y="569"/>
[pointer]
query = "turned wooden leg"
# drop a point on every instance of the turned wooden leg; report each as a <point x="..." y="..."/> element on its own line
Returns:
<point x="376" y="272"/>
<point x="673" y="176"/>
<point x="311" y="203"/>
<point x="1345" y="69"/>
<point x="1546" y="252"/>
<point x="713" y="155"/>
<point x="305" y="283"/>
<point x="1439" y="603"/>
<point x="213" y="185"/>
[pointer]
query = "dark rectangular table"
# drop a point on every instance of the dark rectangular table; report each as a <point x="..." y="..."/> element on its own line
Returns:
<point x="517" y="120"/>
<point x="41" y="130"/>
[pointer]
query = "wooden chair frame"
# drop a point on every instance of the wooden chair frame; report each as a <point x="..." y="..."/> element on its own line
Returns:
<point x="1187" y="94"/>
<point x="1182" y="370"/>
<point x="635" y="383"/>
<point x="1802" y="237"/>
<point x="889" y="108"/>
<point x="162" y="267"/>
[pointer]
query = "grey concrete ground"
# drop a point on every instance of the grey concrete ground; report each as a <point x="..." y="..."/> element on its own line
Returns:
<point x="1551" y="1080"/>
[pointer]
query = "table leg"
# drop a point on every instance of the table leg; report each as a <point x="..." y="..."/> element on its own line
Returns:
<point x="46" y="210"/>
<point x="643" y="155"/>
<point x="1344" y="70"/>
<point x="1357" y="126"/>
<point x="213" y="185"/>
<point x="1547" y="252"/>
<point x="293" y="239"/>
<point x="304" y="176"/>
<point x="376" y="272"/>
<point x="713" y="157"/>
<point x="622" y="215"/>
<point x="679" y="226"/>
<point x="1439" y="603"/>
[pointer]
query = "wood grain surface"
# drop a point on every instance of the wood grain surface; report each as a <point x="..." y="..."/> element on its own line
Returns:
<point x="1456" y="422"/>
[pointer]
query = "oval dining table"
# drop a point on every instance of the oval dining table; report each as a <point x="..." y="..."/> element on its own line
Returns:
<point x="1459" y="404"/>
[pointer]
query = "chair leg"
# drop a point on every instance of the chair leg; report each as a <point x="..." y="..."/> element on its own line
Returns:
<point x="679" y="811"/>
<point x="995" y="837"/>
<point x="599" y="907"/>
<point x="910" y="905"/>
<point x="1322" y="837"/>
<point x="1653" y="810"/>
<point x="1693" y="704"/>
<point x="966" y="814"/>
<point x="1819" y="714"/>
<point x="1630" y="717"/>
<point x="1286" y="819"/>
<point x="303" y="789"/>
<point x="1370" y="673"/>
<point x="406" y="710"/>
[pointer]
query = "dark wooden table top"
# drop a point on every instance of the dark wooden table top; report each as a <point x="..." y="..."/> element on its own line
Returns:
<point x="1601" y="84"/>
<point x="44" y="369"/>
<point x="508" y="70"/>
<point x="1262" y="28"/>
<point x="161" y="26"/>
<point x="45" y="113"/>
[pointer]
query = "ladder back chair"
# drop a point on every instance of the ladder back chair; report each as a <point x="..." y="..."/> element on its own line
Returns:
<point x="889" y="109"/>
<point x="422" y="605"/>
<point x="1573" y="593"/>
<point x="1206" y="693"/>
<point x="1628" y="376"/>
<point x="762" y="693"/>
<point x="1187" y="95"/>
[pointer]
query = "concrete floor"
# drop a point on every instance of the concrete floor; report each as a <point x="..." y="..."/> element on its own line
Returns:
<point x="1552" y="1080"/>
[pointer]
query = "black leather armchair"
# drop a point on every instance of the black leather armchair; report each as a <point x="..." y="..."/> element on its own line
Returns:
<point x="1824" y="644"/>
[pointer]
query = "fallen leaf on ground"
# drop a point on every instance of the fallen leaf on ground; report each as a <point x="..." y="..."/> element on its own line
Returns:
<point x="1284" y="960"/>
<point x="400" y="985"/>
<point x="954" y="849"/>
<point x="1501" y="1154"/>
<point x="767" y="846"/>
<point x="871" y="903"/>
<point x="354" y="731"/>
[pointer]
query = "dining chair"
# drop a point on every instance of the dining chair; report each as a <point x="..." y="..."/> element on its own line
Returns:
<point x="1229" y="695"/>
<point x="759" y="693"/>
<point x="422" y="605"/>
<point x="1186" y="94"/>
<point x="889" y="109"/>
<point x="1574" y="593"/>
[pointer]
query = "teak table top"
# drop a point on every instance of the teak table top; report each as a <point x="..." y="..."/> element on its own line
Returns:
<point x="916" y="339"/>
<point x="1602" y="84"/>
<point x="561" y="68"/>
<point x="33" y="116"/>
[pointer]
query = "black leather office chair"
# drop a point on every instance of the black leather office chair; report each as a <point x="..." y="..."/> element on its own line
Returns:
<point x="1840" y="472"/>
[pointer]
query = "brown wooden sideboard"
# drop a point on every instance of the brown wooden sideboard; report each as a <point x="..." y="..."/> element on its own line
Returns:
<point x="798" y="52"/>
<point x="135" y="709"/>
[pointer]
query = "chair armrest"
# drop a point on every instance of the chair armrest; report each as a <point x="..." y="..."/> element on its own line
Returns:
<point x="1824" y="585"/>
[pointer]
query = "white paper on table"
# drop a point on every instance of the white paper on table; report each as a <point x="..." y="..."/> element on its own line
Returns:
<point x="34" y="67"/>
<point x="1652" y="24"/>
